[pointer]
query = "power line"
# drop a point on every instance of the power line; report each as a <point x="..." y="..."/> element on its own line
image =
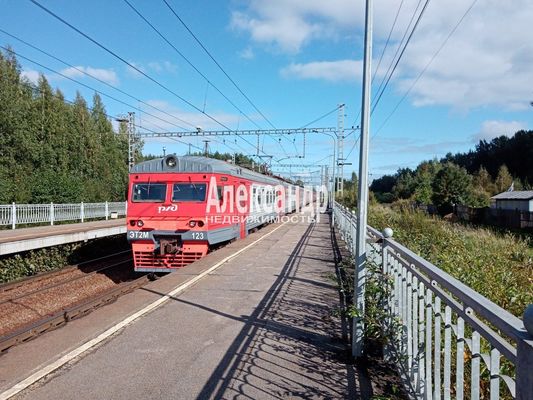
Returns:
<point x="99" y="80"/>
<point x="84" y="85"/>
<point x="216" y="62"/>
<point x="399" y="45"/>
<point x="322" y="117"/>
<point x="388" y="40"/>
<point x="36" y="88"/>
<point x="222" y="69"/>
<point x="110" y="117"/>
<point x="426" y="66"/>
<point x="127" y="63"/>
<point x="401" y="55"/>
<point x="131" y="65"/>
<point x="189" y="62"/>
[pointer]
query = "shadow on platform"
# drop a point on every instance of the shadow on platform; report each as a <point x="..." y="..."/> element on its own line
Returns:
<point x="292" y="346"/>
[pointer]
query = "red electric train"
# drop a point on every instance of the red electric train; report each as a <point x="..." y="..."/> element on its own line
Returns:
<point x="179" y="207"/>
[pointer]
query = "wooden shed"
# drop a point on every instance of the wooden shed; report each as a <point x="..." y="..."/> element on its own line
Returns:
<point x="521" y="200"/>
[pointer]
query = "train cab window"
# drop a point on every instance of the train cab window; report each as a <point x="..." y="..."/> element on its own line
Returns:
<point x="189" y="191"/>
<point x="149" y="192"/>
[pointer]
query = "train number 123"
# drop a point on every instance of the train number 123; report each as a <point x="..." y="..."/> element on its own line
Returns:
<point x="198" y="235"/>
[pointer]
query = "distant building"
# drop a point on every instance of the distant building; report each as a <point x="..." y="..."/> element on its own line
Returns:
<point x="521" y="200"/>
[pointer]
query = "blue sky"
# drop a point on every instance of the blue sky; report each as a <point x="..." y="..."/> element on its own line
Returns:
<point x="297" y="60"/>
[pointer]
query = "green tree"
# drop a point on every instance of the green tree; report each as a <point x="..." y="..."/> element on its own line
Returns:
<point x="405" y="184"/>
<point x="452" y="185"/>
<point x="16" y="141"/>
<point x="504" y="180"/>
<point x="483" y="181"/>
<point x="423" y="181"/>
<point x="51" y="150"/>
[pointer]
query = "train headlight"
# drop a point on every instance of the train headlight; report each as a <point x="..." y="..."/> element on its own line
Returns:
<point x="192" y="224"/>
<point x="140" y="224"/>
<point x="171" y="161"/>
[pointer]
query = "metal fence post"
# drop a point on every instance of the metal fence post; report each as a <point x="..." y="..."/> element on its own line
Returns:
<point x="353" y="223"/>
<point x="106" y="210"/>
<point x="13" y="215"/>
<point x="82" y="214"/>
<point x="524" y="360"/>
<point x="51" y="213"/>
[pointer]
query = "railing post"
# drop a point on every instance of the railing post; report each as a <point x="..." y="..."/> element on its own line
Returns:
<point x="82" y="213"/>
<point x="13" y="215"/>
<point x="353" y="225"/>
<point x="106" y="210"/>
<point x="51" y="213"/>
<point x="385" y="301"/>
<point x="524" y="360"/>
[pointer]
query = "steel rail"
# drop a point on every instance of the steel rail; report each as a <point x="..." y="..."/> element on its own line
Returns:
<point x="4" y="287"/>
<point x="74" y="279"/>
<point x="67" y="314"/>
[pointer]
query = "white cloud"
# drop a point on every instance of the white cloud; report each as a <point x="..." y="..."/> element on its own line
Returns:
<point x="333" y="71"/>
<point x="134" y="73"/>
<point x="158" y="67"/>
<point x="247" y="54"/>
<point x="106" y="75"/>
<point x="31" y="75"/>
<point x="491" y="129"/>
<point x="487" y="61"/>
<point x="290" y="24"/>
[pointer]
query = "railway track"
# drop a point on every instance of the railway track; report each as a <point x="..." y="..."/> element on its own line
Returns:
<point x="34" y="305"/>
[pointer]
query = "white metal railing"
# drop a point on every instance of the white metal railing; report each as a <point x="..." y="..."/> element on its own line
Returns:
<point x="449" y="341"/>
<point x="24" y="214"/>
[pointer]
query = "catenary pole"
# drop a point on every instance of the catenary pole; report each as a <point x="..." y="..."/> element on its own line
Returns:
<point x="360" y="253"/>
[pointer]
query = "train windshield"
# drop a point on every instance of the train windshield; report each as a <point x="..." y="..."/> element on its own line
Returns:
<point x="189" y="192"/>
<point x="149" y="192"/>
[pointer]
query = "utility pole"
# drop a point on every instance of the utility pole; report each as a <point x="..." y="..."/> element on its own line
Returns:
<point x="131" y="140"/>
<point x="129" y="123"/>
<point x="360" y="246"/>
<point x="206" y="147"/>
<point x="340" y="145"/>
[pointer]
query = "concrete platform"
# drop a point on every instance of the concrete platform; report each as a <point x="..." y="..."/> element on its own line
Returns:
<point x="260" y="326"/>
<point x="18" y="240"/>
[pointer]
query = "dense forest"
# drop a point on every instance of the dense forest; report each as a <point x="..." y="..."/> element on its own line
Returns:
<point x="53" y="150"/>
<point x="464" y="178"/>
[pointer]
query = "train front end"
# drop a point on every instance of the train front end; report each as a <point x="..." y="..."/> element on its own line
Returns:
<point x="166" y="221"/>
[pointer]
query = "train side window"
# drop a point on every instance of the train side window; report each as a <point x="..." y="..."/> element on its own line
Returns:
<point x="220" y="194"/>
<point x="241" y="197"/>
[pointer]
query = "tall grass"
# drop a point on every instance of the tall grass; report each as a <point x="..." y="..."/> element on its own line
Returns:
<point x="498" y="266"/>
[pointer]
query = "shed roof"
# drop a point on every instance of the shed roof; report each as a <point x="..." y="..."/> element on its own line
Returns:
<point x="514" y="195"/>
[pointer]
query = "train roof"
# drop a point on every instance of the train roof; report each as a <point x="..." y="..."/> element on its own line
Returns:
<point x="198" y="164"/>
